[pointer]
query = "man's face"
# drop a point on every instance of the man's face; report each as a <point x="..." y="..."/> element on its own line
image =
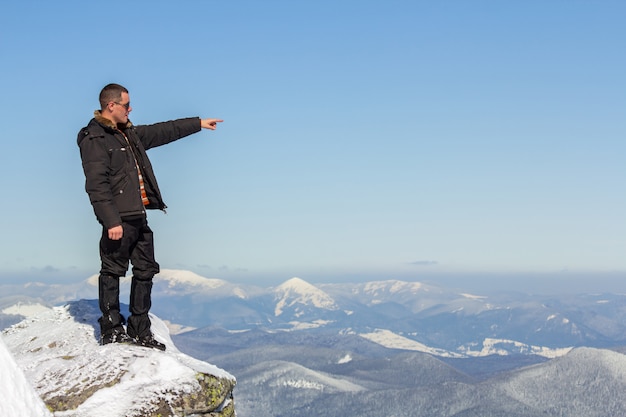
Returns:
<point x="121" y="109"/>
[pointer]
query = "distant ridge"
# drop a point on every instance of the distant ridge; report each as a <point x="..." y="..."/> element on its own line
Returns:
<point x="396" y="314"/>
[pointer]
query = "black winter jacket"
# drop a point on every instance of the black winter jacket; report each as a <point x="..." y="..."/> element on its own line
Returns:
<point x="111" y="177"/>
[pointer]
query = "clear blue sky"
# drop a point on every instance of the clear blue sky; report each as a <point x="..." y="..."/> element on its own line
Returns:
<point x="415" y="140"/>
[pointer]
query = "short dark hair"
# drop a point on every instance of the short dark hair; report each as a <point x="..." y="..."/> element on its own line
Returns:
<point x="111" y="92"/>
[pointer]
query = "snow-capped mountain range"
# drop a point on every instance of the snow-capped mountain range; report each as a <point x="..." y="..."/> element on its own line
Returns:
<point x="402" y="348"/>
<point x="394" y="314"/>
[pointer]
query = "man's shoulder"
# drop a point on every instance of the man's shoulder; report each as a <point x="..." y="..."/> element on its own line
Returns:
<point x="93" y="130"/>
<point x="93" y="127"/>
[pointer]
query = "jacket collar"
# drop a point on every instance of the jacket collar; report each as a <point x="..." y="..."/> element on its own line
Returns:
<point x="97" y="114"/>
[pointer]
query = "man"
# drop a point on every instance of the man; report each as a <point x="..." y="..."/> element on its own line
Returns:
<point x="121" y="185"/>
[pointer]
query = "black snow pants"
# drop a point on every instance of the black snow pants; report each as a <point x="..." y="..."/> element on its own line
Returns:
<point x="136" y="247"/>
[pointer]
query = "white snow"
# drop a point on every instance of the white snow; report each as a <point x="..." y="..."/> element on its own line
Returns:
<point x="26" y="310"/>
<point x="62" y="341"/>
<point x="473" y="297"/>
<point x="298" y="325"/>
<point x="289" y="374"/>
<point x="175" y="277"/>
<point x="392" y="286"/>
<point x="297" y="291"/>
<point x="303" y="384"/>
<point x="345" y="359"/>
<point x="391" y="340"/>
<point x="93" y="280"/>
<point x="19" y="399"/>
<point x="402" y="286"/>
<point x="240" y="293"/>
<point x="177" y="328"/>
<point x="504" y="347"/>
<point x="489" y="346"/>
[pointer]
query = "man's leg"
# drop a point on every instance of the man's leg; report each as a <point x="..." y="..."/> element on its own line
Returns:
<point x="140" y="303"/>
<point x="144" y="269"/>
<point x="114" y="256"/>
<point x="109" y="296"/>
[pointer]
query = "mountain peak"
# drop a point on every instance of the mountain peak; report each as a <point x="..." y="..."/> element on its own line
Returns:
<point x="175" y="276"/>
<point x="297" y="291"/>
<point x="296" y="284"/>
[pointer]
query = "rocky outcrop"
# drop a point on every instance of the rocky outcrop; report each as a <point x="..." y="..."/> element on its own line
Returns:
<point x="75" y="376"/>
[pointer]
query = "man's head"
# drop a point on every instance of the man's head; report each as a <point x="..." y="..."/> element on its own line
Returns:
<point x="115" y="103"/>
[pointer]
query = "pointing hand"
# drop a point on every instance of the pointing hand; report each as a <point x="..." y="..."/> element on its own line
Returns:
<point x="209" y="123"/>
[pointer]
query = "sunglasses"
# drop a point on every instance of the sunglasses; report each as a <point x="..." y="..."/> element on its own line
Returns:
<point x="126" y="105"/>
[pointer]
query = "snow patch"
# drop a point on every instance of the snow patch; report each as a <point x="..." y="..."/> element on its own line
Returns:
<point x="26" y="310"/>
<point x="312" y="325"/>
<point x="345" y="359"/>
<point x="303" y="384"/>
<point x="177" y="328"/>
<point x="473" y="297"/>
<point x="505" y="347"/>
<point x="391" y="340"/>
<point x="392" y="286"/>
<point x="240" y="293"/>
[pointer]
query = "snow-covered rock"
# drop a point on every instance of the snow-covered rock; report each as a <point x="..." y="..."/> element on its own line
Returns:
<point x="58" y="352"/>
<point x="19" y="397"/>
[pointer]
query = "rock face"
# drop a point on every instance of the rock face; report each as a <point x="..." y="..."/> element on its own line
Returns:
<point x="76" y="377"/>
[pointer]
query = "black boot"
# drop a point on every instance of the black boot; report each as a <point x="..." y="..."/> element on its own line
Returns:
<point x="150" y="342"/>
<point x="116" y="335"/>
<point x="111" y="322"/>
<point x="140" y="303"/>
